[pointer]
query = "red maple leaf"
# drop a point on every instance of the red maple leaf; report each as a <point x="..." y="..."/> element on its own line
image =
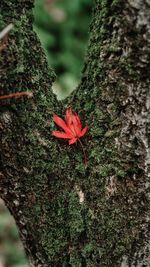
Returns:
<point x="71" y="125"/>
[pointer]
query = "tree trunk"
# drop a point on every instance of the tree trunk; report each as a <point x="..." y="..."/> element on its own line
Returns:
<point x="68" y="213"/>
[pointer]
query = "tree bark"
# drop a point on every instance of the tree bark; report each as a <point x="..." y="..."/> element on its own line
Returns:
<point x="68" y="213"/>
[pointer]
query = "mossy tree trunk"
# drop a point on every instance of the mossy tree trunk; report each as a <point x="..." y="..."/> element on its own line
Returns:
<point x="68" y="213"/>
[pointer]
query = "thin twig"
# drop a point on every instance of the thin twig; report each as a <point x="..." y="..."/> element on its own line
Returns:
<point x="5" y="31"/>
<point x="17" y="94"/>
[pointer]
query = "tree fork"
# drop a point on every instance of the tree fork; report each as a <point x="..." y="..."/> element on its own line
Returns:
<point x="69" y="214"/>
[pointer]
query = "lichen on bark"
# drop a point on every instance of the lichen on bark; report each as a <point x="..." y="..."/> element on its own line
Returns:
<point x="43" y="179"/>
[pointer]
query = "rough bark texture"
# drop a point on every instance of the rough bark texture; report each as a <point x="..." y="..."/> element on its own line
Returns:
<point x="70" y="214"/>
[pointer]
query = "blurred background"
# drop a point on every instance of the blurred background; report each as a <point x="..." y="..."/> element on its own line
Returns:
<point x="62" y="26"/>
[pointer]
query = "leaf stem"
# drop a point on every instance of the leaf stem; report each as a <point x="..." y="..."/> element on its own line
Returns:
<point x="85" y="156"/>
